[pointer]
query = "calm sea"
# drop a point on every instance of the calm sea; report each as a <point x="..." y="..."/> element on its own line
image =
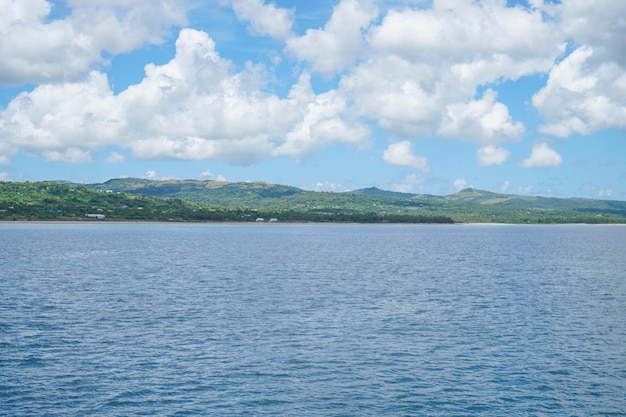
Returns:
<point x="312" y="320"/>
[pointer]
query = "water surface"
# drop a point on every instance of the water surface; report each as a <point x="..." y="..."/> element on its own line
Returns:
<point x="329" y="320"/>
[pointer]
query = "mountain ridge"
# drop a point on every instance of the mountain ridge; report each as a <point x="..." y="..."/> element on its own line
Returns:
<point x="277" y="196"/>
<point x="466" y="194"/>
<point x="184" y="200"/>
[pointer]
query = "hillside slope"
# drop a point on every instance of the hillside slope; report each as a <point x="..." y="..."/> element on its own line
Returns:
<point x="50" y="200"/>
<point x="474" y="196"/>
<point x="469" y="205"/>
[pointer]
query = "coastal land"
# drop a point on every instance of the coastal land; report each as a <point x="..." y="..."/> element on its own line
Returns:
<point x="132" y="199"/>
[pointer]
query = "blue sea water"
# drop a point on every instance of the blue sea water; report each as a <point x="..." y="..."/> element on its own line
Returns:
<point x="312" y="320"/>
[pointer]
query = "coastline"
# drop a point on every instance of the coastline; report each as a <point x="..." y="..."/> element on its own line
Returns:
<point x="154" y="222"/>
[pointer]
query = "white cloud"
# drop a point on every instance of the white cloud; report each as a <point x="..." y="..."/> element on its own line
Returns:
<point x="193" y="107"/>
<point x="583" y="95"/>
<point x="460" y="184"/>
<point x="265" y="19"/>
<point x="600" y="25"/>
<point x="4" y="176"/>
<point x="320" y="121"/>
<point x="389" y="91"/>
<point x="454" y="32"/>
<point x="605" y="193"/>
<point x="151" y="175"/>
<point x="69" y="155"/>
<point x="423" y="67"/>
<point x="505" y="186"/>
<point x="54" y="118"/>
<point x="325" y="186"/>
<point x="586" y="91"/>
<point x="542" y="156"/>
<point x="334" y="47"/>
<point x="25" y="12"/>
<point x="114" y="158"/>
<point x="206" y="174"/>
<point x="401" y="153"/>
<point x="414" y="70"/>
<point x="410" y="184"/>
<point x="197" y="108"/>
<point x="209" y="175"/>
<point x="35" y="50"/>
<point x="482" y="121"/>
<point x="490" y="155"/>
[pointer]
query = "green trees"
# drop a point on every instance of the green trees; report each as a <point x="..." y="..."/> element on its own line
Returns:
<point x="244" y="202"/>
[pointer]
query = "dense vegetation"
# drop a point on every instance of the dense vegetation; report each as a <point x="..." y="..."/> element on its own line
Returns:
<point x="465" y="206"/>
<point x="59" y="201"/>
<point x="191" y="200"/>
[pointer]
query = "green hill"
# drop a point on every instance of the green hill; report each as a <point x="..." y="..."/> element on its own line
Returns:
<point x="469" y="205"/>
<point x="49" y="200"/>
<point x="193" y="200"/>
<point x="582" y="205"/>
<point x="158" y="201"/>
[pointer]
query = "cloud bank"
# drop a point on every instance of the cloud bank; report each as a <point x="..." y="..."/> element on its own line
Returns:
<point x="410" y="72"/>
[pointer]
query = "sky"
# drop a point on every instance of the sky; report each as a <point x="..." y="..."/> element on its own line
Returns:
<point x="522" y="97"/>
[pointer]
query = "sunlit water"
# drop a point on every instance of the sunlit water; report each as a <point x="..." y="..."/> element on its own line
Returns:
<point x="303" y="320"/>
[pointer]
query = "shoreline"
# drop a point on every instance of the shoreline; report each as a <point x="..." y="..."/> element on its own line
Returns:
<point x="154" y="222"/>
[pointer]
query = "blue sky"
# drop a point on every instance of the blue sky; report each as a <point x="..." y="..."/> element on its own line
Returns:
<point x="523" y="97"/>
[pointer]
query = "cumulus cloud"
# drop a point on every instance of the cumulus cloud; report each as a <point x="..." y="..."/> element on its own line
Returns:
<point x="600" y="25"/>
<point x="415" y="71"/>
<point x="114" y="158"/>
<point x="151" y="175"/>
<point x="334" y="47"/>
<point x="265" y="19"/>
<point x="193" y="107"/>
<point x="389" y="92"/>
<point x="35" y="50"/>
<point x="69" y="155"/>
<point x="401" y="153"/>
<point x="482" y="121"/>
<point x="320" y="121"/>
<point x="453" y="32"/>
<point x="210" y="176"/>
<point x="542" y="156"/>
<point x="460" y="184"/>
<point x="62" y="118"/>
<point x="424" y="66"/>
<point x="490" y="155"/>
<point x="583" y="95"/>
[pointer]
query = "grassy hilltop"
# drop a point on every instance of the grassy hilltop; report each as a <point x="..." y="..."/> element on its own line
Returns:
<point x="193" y="200"/>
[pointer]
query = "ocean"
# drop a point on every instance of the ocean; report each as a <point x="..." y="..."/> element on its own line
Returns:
<point x="312" y="320"/>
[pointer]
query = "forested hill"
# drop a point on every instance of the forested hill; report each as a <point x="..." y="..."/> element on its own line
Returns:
<point x="469" y="205"/>
<point x="51" y="200"/>
<point x="193" y="200"/>
<point x="487" y="198"/>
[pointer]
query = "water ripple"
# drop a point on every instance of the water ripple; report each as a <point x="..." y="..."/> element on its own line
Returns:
<point x="312" y="320"/>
